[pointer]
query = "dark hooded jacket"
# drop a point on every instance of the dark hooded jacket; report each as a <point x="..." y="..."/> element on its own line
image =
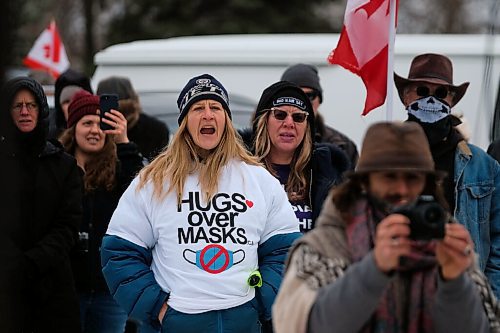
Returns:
<point x="68" y="78"/>
<point x="98" y="207"/>
<point x="494" y="149"/>
<point x="325" y="133"/>
<point x="328" y="162"/>
<point x="41" y="211"/>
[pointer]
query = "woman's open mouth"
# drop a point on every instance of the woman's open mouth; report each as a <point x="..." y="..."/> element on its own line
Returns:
<point x="208" y="130"/>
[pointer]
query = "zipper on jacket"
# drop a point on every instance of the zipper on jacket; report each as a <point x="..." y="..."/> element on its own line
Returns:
<point x="310" y="189"/>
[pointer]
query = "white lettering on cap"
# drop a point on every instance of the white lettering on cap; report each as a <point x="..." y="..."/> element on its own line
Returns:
<point x="290" y="101"/>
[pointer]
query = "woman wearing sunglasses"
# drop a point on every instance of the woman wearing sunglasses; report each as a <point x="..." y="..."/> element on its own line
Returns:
<point x="283" y="130"/>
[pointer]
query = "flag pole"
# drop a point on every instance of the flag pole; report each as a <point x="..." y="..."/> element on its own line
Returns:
<point x="390" y="58"/>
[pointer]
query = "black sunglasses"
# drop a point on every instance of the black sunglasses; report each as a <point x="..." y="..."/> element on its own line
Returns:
<point x="312" y="95"/>
<point x="440" y="92"/>
<point x="297" y="117"/>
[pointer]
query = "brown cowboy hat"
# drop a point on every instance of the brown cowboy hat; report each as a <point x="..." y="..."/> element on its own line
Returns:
<point x="431" y="68"/>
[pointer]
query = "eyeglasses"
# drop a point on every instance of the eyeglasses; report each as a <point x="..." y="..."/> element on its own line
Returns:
<point x="297" y="117"/>
<point x="31" y="106"/>
<point x="312" y="95"/>
<point x="440" y="92"/>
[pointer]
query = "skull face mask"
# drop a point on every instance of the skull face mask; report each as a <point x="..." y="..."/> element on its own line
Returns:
<point x="429" y="109"/>
<point x="433" y="115"/>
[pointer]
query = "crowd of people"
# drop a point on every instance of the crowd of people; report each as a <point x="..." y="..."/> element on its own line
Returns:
<point x="280" y="227"/>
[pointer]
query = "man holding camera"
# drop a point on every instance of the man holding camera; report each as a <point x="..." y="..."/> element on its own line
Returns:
<point x="472" y="187"/>
<point x="364" y="268"/>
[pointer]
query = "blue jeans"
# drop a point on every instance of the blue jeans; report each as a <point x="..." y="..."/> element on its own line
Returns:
<point x="99" y="313"/>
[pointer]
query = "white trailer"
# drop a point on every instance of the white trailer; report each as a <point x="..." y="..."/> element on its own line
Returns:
<point x="246" y="64"/>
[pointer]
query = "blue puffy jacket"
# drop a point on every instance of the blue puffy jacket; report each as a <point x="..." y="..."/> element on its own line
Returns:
<point x="126" y="267"/>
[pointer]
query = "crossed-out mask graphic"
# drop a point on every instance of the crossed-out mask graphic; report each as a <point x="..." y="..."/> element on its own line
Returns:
<point x="214" y="258"/>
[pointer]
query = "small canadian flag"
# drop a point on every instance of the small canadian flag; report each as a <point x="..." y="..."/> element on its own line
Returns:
<point x="48" y="53"/>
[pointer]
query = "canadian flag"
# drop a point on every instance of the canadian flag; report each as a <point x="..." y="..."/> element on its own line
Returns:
<point x="363" y="46"/>
<point x="48" y="53"/>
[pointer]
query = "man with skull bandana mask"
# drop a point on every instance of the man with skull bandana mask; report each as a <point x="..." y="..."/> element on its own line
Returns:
<point x="472" y="188"/>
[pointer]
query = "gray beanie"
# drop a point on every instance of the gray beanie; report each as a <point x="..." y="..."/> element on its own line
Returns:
<point x="118" y="85"/>
<point x="304" y="75"/>
<point x="67" y="93"/>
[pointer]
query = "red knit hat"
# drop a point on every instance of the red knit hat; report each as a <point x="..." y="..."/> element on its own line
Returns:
<point x="83" y="103"/>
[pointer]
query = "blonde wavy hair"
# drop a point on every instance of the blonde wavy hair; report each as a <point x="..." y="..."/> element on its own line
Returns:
<point x="181" y="159"/>
<point x="297" y="186"/>
<point x="100" y="170"/>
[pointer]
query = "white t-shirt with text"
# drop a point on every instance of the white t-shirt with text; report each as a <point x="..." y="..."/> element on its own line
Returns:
<point x="203" y="253"/>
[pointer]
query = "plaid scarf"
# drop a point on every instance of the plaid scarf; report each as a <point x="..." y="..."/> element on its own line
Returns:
<point x="406" y="304"/>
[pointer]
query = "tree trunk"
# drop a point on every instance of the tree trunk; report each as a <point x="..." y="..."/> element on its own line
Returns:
<point x="89" y="36"/>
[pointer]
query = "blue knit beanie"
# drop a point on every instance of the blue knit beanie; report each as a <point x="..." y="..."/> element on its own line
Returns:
<point x="199" y="88"/>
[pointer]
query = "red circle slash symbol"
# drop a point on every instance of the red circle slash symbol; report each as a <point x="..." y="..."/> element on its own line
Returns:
<point x="216" y="253"/>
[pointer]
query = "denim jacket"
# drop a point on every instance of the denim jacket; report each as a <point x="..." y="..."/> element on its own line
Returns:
<point x="477" y="194"/>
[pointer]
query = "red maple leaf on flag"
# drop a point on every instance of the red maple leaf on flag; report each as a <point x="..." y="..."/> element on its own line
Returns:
<point x="363" y="47"/>
<point x="48" y="52"/>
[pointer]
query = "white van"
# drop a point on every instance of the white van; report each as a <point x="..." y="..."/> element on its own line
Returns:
<point x="246" y="64"/>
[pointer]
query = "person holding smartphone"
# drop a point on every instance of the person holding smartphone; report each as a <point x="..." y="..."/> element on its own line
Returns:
<point x="107" y="102"/>
<point x="149" y="133"/>
<point x="109" y="162"/>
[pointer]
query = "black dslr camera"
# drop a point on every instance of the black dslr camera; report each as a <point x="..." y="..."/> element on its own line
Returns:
<point x="427" y="218"/>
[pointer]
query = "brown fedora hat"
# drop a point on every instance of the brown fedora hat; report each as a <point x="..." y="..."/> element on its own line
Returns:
<point x="431" y="68"/>
<point x="395" y="146"/>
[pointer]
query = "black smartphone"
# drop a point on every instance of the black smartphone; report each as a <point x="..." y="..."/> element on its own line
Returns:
<point x="106" y="103"/>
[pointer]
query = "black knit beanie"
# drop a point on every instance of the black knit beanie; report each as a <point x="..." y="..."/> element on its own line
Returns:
<point x="284" y="93"/>
<point x="199" y="88"/>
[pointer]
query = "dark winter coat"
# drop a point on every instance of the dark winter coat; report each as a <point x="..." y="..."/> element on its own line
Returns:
<point x="98" y="207"/>
<point x="327" y="134"/>
<point x="41" y="211"/>
<point x="150" y="135"/>
<point x="327" y="166"/>
<point x="494" y="150"/>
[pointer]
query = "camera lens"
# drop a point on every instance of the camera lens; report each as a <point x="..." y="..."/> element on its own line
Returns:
<point x="433" y="215"/>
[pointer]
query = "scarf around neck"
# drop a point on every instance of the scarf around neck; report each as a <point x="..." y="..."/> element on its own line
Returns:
<point x="406" y="304"/>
